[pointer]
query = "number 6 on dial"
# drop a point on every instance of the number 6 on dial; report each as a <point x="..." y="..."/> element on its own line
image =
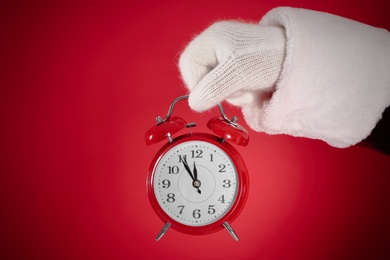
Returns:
<point x="197" y="182"/>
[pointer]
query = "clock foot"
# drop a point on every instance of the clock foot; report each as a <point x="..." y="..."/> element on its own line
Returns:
<point x="231" y="231"/>
<point x="163" y="231"/>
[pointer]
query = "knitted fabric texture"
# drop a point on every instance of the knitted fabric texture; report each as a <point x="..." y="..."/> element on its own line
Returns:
<point x="231" y="60"/>
<point x="299" y="72"/>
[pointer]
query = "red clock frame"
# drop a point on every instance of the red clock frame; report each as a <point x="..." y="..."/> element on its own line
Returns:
<point x="242" y="192"/>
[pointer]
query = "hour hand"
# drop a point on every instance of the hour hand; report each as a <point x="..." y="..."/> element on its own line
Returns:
<point x="195" y="171"/>
<point x="196" y="182"/>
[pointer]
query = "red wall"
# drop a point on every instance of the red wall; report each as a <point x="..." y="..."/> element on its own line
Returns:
<point x="82" y="82"/>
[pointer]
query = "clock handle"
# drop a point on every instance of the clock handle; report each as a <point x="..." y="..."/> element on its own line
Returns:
<point x="230" y="230"/>
<point x="230" y="121"/>
<point x="163" y="231"/>
<point x="172" y="106"/>
<point x="170" y="110"/>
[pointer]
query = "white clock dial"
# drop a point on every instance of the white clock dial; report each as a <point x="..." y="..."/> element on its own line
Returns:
<point x="195" y="183"/>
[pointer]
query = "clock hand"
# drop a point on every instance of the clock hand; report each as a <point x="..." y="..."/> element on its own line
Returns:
<point x="184" y="161"/>
<point x="195" y="171"/>
<point x="196" y="182"/>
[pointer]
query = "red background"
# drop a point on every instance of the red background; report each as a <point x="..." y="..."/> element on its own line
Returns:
<point x="82" y="82"/>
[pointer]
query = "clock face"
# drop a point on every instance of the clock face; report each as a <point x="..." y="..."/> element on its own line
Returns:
<point x="195" y="183"/>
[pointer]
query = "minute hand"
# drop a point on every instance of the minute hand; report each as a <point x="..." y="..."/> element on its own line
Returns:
<point x="195" y="182"/>
<point x="187" y="167"/>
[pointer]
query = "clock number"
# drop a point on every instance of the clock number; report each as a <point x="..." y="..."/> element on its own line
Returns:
<point x="166" y="184"/>
<point x="196" y="213"/>
<point x="211" y="209"/>
<point x="173" y="169"/>
<point x="171" y="197"/>
<point x="196" y="154"/>
<point x="226" y="183"/>
<point x="222" y="199"/>
<point x="211" y="157"/>
<point x="182" y="158"/>
<point x="222" y="168"/>
<point x="181" y="207"/>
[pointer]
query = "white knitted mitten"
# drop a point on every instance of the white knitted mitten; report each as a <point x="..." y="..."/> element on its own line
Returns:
<point x="231" y="60"/>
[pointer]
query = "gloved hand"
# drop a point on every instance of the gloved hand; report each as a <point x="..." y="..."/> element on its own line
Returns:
<point x="231" y="60"/>
<point x="298" y="72"/>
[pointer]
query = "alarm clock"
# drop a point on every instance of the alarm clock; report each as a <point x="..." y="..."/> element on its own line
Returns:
<point x="197" y="182"/>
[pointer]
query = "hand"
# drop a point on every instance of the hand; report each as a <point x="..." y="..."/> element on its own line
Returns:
<point x="196" y="182"/>
<point x="195" y="171"/>
<point x="240" y="62"/>
<point x="194" y="177"/>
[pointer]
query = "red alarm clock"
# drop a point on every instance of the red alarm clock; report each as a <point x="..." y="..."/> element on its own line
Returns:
<point x="197" y="182"/>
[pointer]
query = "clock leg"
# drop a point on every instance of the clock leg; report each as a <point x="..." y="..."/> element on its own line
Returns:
<point x="163" y="231"/>
<point x="231" y="231"/>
